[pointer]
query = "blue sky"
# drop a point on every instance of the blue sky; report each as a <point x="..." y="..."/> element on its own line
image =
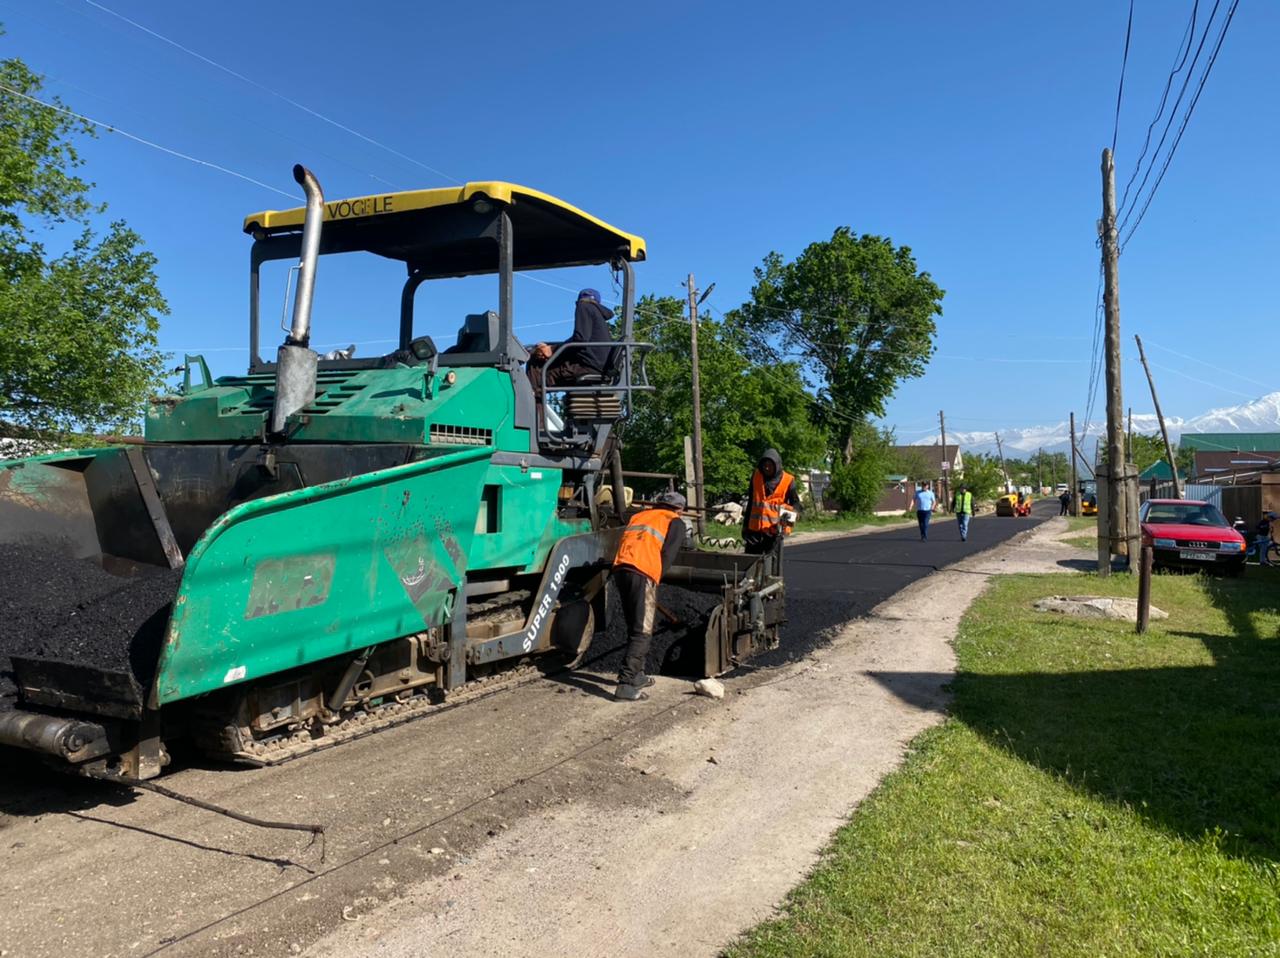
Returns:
<point x="971" y="133"/>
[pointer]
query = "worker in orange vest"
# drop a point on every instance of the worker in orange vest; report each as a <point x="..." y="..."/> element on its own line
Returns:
<point x="772" y="507"/>
<point x="649" y="544"/>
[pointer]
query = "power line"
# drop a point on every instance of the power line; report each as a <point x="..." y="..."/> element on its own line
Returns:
<point x="1204" y="382"/>
<point x="1220" y="369"/>
<point x="1173" y="112"/>
<point x="1185" y="47"/>
<point x="156" y="77"/>
<point x="266" y="89"/>
<point x="1128" y="31"/>
<point x="1204" y="77"/>
<point x="110" y="128"/>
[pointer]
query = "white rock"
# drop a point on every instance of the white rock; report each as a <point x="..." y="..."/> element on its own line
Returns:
<point x="711" y="688"/>
<point x="1096" y="607"/>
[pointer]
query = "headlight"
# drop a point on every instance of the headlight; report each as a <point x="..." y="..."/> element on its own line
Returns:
<point x="1166" y="543"/>
<point x="1232" y="546"/>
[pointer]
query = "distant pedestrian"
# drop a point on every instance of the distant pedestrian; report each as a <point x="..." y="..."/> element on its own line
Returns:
<point x="1064" y="502"/>
<point x="962" y="506"/>
<point x="924" y="503"/>
<point x="1262" y="537"/>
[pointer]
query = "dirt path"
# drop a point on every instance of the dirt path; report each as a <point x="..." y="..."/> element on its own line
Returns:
<point x="748" y="809"/>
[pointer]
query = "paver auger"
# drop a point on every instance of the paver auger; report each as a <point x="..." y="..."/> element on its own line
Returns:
<point x="323" y="547"/>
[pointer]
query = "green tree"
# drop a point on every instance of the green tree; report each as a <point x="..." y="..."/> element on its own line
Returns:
<point x="1185" y="457"/>
<point x="982" y="476"/>
<point x="77" y="328"/>
<point x="746" y="408"/>
<point x="914" y="462"/>
<point x="858" y="484"/>
<point x="859" y="315"/>
<point x="1145" y="450"/>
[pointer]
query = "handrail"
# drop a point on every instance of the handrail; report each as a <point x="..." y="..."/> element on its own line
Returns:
<point x="631" y="349"/>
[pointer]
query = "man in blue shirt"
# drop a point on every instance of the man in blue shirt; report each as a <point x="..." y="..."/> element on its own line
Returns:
<point x="924" y="502"/>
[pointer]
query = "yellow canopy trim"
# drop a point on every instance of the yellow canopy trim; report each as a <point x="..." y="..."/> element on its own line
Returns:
<point x="383" y="204"/>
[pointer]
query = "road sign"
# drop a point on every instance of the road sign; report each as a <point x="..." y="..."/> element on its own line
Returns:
<point x="946" y="466"/>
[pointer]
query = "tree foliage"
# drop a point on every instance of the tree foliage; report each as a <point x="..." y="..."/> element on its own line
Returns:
<point x="983" y="476"/>
<point x="915" y="462"/>
<point x="858" y="484"/>
<point x="858" y="314"/>
<point x="746" y="408"/>
<point x="77" y="328"/>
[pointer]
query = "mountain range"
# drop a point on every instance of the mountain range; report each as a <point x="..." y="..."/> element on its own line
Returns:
<point x="1259" y="415"/>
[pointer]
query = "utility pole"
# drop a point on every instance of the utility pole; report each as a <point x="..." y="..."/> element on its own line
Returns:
<point x="1075" y="483"/>
<point x="1118" y="532"/>
<point x="1003" y="470"/>
<point x="1039" y="470"/>
<point x="699" y="490"/>
<point x="1128" y="455"/>
<point x="946" y="463"/>
<point x="1164" y="431"/>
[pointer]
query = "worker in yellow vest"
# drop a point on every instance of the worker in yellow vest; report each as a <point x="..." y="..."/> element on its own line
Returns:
<point x="649" y="544"/>
<point x="773" y="506"/>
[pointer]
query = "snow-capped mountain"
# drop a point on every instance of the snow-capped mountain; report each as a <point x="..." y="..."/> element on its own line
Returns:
<point x="1260" y="415"/>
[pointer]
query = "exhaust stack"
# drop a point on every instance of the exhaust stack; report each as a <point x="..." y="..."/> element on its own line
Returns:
<point x="295" y="360"/>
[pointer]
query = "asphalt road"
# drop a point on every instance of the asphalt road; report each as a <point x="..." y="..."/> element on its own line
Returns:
<point x="835" y="580"/>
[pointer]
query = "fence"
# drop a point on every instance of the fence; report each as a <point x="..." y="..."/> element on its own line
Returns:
<point x="1243" y="502"/>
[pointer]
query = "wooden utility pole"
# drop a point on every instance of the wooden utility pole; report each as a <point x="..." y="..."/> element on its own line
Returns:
<point x="699" y="490"/>
<point x="1144" y="590"/>
<point x="946" y="468"/>
<point x="1003" y="470"/>
<point x="1164" y="432"/>
<point x="1075" y="482"/>
<point x="1040" y="471"/>
<point x="1118" y="537"/>
<point x="1128" y="447"/>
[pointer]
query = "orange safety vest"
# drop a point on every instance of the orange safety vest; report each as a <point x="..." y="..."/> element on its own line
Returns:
<point x="642" y="542"/>
<point x="764" y="516"/>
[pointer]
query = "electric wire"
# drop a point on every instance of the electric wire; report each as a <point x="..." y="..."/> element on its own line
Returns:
<point x="1204" y="77"/>
<point x="1124" y="62"/>
<point x="110" y="128"/>
<point x="1185" y="48"/>
<point x="156" y="77"/>
<point x="1122" y="214"/>
<point x="266" y="89"/>
<point x="1220" y="369"/>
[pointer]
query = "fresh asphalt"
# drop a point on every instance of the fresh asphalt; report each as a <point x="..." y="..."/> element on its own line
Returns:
<point x="836" y="580"/>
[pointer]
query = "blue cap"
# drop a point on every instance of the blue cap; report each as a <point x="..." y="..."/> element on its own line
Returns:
<point x="591" y="294"/>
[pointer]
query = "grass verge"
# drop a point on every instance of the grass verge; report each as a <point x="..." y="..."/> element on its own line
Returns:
<point x="1083" y="542"/>
<point x="1095" y="793"/>
<point x="1081" y="523"/>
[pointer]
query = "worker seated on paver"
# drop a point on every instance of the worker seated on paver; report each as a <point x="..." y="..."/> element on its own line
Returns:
<point x="590" y="325"/>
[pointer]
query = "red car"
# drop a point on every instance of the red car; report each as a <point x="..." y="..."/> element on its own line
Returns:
<point x="1191" y="534"/>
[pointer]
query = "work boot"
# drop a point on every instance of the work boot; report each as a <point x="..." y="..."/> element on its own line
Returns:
<point x="631" y="691"/>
